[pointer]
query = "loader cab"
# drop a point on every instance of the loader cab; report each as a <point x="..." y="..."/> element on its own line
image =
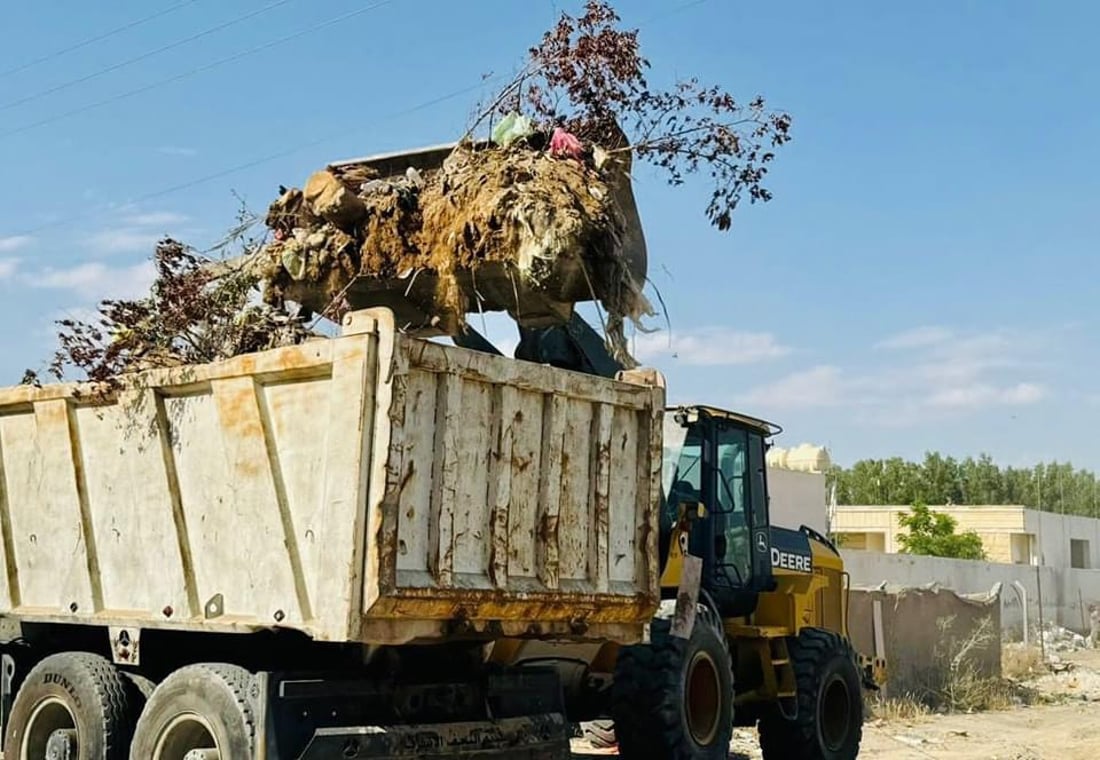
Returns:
<point x="715" y="459"/>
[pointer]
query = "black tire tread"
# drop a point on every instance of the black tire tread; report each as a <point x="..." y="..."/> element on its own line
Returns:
<point x="782" y="739"/>
<point x="116" y="719"/>
<point x="646" y="698"/>
<point x="237" y="681"/>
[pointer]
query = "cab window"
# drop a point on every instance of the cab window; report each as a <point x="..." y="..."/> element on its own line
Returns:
<point x="733" y="551"/>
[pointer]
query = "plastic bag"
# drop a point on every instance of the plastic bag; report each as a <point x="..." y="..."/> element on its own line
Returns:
<point x="512" y="127"/>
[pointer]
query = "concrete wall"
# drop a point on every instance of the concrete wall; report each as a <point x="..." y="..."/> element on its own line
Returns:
<point x="797" y="498"/>
<point x="920" y="632"/>
<point x="1054" y="532"/>
<point x="1065" y="592"/>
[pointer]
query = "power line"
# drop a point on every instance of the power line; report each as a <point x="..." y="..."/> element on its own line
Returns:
<point x="93" y="40"/>
<point x="194" y="71"/>
<point x="268" y="158"/>
<point x="144" y="56"/>
<point x="320" y="140"/>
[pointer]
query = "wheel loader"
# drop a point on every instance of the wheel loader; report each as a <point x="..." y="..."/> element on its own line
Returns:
<point x="753" y="624"/>
<point x="752" y="628"/>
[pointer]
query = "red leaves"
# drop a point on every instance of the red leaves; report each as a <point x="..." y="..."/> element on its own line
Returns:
<point x="190" y="316"/>
<point x="589" y="75"/>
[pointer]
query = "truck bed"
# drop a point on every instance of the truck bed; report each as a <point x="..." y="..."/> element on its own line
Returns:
<point x="370" y="487"/>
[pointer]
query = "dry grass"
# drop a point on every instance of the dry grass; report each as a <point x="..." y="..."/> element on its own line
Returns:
<point x="958" y="680"/>
<point x="896" y="709"/>
<point x="1021" y="662"/>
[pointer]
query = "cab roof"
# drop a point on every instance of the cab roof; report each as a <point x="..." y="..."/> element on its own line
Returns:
<point x="768" y="429"/>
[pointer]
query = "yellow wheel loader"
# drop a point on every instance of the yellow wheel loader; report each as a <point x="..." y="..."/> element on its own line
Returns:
<point x="752" y="629"/>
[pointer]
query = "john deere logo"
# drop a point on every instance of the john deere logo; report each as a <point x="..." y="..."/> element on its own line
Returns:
<point x="762" y="542"/>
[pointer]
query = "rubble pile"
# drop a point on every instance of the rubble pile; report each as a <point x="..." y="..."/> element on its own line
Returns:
<point x="1059" y="639"/>
<point x="538" y="206"/>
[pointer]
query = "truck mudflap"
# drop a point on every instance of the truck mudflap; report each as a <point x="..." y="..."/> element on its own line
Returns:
<point x="533" y="737"/>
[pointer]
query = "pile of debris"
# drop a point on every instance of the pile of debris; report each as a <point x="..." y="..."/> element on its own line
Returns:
<point x="493" y="226"/>
<point x="1059" y="639"/>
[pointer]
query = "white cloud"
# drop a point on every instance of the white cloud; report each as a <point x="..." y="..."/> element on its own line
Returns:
<point x="156" y="219"/>
<point x="137" y="231"/>
<point x="709" y="347"/>
<point x="8" y="267"/>
<point x="918" y="337"/>
<point x="14" y="243"/>
<point x="123" y="240"/>
<point x="96" y="281"/>
<point x="982" y="394"/>
<point x="943" y="372"/>
<point x="176" y="150"/>
<point x="819" y="386"/>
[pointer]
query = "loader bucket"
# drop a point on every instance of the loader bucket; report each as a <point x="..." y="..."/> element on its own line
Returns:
<point x="493" y="286"/>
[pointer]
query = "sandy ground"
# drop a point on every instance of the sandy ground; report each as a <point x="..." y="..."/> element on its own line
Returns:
<point x="1066" y="731"/>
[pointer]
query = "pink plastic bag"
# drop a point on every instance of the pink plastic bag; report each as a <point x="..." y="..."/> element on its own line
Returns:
<point x="565" y="145"/>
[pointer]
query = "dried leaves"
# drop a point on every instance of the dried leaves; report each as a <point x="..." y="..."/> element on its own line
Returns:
<point x="191" y="315"/>
<point x="590" y="75"/>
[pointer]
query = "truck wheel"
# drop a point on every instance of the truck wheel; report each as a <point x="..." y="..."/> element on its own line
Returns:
<point x="71" y="705"/>
<point x="829" y="724"/>
<point x="673" y="698"/>
<point x="599" y="733"/>
<point x="198" y="711"/>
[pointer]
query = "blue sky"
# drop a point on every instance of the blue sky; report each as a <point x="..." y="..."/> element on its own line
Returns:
<point x="924" y="279"/>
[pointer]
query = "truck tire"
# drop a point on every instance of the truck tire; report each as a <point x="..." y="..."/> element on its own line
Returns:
<point x="74" y="704"/>
<point x="829" y="724"/>
<point x="673" y="698"/>
<point x="599" y="733"/>
<point x="199" y="707"/>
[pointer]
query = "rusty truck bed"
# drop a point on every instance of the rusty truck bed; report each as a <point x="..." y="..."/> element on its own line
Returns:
<point x="371" y="487"/>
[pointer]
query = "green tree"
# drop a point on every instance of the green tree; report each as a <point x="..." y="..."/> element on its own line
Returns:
<point x="1051" y="487"/>
<point x="933" y="534"/>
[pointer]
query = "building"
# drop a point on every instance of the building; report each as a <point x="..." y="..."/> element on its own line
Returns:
<point x="1010" y="534"/>
<point x="797" y="489"/>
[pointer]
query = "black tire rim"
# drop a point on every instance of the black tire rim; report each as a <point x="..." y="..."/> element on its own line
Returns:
<point x="703" y="699"/>
<point x="836" y="713"/>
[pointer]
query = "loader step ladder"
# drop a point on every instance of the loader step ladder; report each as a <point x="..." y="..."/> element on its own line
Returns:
<point x="786" y="686"/>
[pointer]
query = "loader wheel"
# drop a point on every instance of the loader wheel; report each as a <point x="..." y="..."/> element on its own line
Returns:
<point x="71" y="705"/>
<point x="673" y="698"/>
<point x="198" y="711"/>
<point x="829" y="724"/>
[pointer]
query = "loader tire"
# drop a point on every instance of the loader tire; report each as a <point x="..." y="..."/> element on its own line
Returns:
<point x="74" y="705"/>
<point x="673" y="698"/>
<point x="829" y="723"/>
<point x="199" y="707"/>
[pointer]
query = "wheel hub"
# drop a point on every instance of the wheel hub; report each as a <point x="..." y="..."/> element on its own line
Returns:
<point x="50" y="733"/>
<point x="188" y="736"/>
<point x="62" y="745"/>
<point x="703" y="698"/>
<point x="836" y="713"/>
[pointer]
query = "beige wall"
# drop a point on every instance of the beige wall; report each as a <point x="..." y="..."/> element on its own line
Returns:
<point x="797" y="498"/>
<point x="1010" y="534"/>
<point x="915" y="646"/>
<point x="1005" y="531"/>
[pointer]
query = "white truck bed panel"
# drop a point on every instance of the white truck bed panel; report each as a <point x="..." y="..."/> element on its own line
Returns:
<point x="371" y="487"/>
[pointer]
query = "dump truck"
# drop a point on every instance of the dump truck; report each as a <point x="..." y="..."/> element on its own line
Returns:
<point x="276" y="555"/>
<point x="377" y="545"/>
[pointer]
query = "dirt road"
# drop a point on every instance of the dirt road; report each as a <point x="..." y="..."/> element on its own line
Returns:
<point x="1055" y="732"/>
<point x="1067" y="731"/>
